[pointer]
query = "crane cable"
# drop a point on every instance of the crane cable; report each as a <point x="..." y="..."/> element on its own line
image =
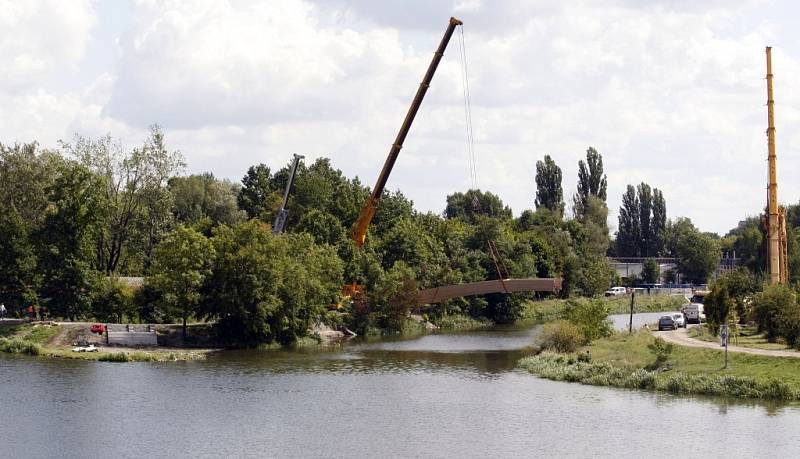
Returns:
<point x="473" y="172"/>
<point x="494" y="254"/>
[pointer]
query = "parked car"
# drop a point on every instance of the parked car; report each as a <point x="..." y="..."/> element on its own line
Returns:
<point x="98" y="328"/>
<point x="667" y="323"/>
<point x="679" y="319"/>
<point x="615" y="291"/>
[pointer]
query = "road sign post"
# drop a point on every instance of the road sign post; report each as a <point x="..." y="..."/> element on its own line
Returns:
<point x="723" y="338"/>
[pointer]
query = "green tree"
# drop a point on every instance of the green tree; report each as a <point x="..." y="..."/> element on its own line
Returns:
<point x="256" y="189"/>
<point x="111" y="301"/>
<point x="750" y="245"/>
<point x="265" y="288"/>
<point x="64" y="242"/>
<point x="658" y="224"/>
<point x="322" y="226"/>
<point x="629" y="233"/>
<point x="409" y="242"/>
<point x="595" y="222"/>
<point x="770" y="308"/>
<point x="651" y="271"/>
<point x="18" y="274"/>
<point x="549" y="193"/>
<point x="645" y="197"/>
<point x="591" y="182"/>
<point x="596" y="277"/>
<point x="393" y="297"/>
<point x="469" y="205"/>
<point x="717" y="306"/>
<point x="698" y="253"/>
<point x="136" y="207"/>
<point x="26" y="173"/>
<point x="202" y="196"/>
<point x="182" y="264"/>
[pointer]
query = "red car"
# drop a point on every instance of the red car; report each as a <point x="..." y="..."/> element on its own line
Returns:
<point x="98" y="328"/>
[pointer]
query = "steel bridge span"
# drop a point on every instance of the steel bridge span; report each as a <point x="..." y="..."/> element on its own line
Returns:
<point x="447" y="292"/>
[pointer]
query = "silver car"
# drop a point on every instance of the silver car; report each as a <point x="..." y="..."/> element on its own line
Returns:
<point x="667" y="323"/>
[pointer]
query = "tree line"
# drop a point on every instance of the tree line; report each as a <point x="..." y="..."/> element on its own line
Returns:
<point x="75" y="219"/>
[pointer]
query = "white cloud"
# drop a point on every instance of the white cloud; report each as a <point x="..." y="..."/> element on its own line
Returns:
<point x="671" y="94"/>
<point x="41" y="38"/>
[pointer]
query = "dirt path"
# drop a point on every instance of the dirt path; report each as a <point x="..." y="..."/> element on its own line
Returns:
<point x="681" y="338"/>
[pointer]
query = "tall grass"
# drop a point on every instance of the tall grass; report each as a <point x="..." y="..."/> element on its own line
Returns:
<point x="561" y="367"/>
<point x="461" y="322"/>
<point x="128" y="357"/>
<point x="17" y="346"/>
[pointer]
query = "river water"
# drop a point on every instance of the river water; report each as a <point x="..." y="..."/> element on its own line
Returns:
<point x="442" y="395"/>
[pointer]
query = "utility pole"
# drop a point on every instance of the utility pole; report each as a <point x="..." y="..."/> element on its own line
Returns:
<point x="776" y="219"/>
<point x="630" y="321"/>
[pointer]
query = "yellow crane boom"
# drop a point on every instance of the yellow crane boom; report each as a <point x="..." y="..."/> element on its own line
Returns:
<point x="359" y="233"/>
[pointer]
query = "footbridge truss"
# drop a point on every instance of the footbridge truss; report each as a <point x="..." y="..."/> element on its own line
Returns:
<point x="446" y="292"/>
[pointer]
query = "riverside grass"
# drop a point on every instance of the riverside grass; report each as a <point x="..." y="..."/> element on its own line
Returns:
<point x="621" y="361"/>
<point x="18" y="346"/>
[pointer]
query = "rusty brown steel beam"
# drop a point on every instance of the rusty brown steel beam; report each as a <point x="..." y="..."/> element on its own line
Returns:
<point x="446" y="292"/>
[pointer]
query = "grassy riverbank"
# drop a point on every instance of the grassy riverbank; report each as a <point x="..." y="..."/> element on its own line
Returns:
<point x="746" y="337"/>
<point x="548" y="310"/>
<point x="623" y="360"/>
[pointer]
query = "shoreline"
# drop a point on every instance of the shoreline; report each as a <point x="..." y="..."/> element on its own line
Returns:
<point x="624" y="361"/>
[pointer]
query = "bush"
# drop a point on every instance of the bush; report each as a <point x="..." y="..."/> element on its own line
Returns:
<point x="561" y="336"/>
<point x="789" y="323"/>
<point x="661" y="350"/>
<point x="591" y="317"/>
<point x="771" y="308"/>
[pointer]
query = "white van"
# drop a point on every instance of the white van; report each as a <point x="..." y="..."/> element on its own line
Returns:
<point x="615" y="291"/>
<point x="694" y="313"/>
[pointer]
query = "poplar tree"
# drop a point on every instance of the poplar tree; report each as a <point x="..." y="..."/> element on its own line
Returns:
<point x="658" y="224"/>
<point x="549" y="193"/>
<point x="591" y="181"/>
<point x="629" y="233"/>
<point x="645" y="195"/>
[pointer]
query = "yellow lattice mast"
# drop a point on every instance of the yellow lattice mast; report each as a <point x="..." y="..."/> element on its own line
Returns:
<point x="776" y="215"/>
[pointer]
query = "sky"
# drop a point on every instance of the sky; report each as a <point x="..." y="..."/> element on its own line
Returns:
<point x="671" y="93"/>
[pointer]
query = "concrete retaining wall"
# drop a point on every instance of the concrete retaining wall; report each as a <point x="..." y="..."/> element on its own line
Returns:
<point x="139" y="335"/>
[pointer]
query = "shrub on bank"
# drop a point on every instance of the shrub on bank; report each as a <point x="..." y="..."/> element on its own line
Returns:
<point x="561" y="336"/>
<point x="591" y="318"/>
<point x="777" y="313"/>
